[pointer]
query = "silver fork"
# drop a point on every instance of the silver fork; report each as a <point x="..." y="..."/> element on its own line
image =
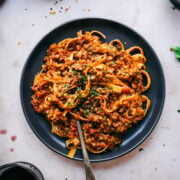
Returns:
<point x="87" y="164"/>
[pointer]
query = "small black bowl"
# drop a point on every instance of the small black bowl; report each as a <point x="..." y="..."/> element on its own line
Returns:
<point x="20" y="171"/>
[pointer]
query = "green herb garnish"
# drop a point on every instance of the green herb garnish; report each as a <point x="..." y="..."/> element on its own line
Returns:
<point x="86" y="112"/>
<point x="78" y="89"/>
<point x="83" y="77"/>
<point x="70" y="104"/>
<point x="136" y="71"/>
<point x="67" y="86"/>
<point x="93" y="92"/>
<point x="107" y="78"/>
<point x="177" y="51"/>
<point x="74" y="72"/>
<point x="178" y="110"/>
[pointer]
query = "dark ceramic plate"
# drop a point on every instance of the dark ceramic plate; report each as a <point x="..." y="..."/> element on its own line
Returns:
<point x="113" y="30"/>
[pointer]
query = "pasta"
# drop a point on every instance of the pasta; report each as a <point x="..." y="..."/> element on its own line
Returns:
<point x="100" y="84"/>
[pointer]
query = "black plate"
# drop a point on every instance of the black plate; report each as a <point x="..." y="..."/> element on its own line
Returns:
<point x="113" y="30"/>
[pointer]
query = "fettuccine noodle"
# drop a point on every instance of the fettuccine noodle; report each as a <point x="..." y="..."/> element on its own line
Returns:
<point x="98" y="83"/>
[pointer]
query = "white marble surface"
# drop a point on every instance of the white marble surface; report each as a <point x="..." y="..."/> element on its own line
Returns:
<point x="25" y="22"/>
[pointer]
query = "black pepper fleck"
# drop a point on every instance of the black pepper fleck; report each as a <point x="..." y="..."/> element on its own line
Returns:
<point x="55" y="2"/>
<point x="141" y="149"/>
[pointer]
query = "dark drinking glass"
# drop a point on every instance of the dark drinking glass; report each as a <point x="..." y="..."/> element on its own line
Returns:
<point x="20" y="171"/>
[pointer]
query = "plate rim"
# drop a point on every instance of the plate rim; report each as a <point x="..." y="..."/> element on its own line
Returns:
<point x="157" y="116"/>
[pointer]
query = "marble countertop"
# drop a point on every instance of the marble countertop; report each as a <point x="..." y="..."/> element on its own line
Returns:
<point x="23" y="23"/>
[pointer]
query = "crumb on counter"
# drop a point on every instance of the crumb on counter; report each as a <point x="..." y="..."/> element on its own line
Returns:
<point x="52" y="12"/>
<point x="86" y="9"/>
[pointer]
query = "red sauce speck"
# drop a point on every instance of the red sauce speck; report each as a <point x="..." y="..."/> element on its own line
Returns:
<point x="171" y="49"/>
<point x="3" y="131"/>
<point x="51" y="9"/>
<point x="13" y="138"/>
<point x="11" y="150"/>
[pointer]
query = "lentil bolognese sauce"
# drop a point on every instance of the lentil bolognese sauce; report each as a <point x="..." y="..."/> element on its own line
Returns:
<point x="100" y="84"/>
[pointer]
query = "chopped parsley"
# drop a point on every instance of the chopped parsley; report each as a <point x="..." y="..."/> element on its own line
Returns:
<point x="70" y="104"/>
<point x="74" y="72"/>
<point x="80" y="96"/>
<point x="107" y="78"/>
<point x="86" y="112"/>
<point x="67" y="86"/>
<point x="93" y="92"/>
<point x="177" y="51"/>
<point x="136" y="71"/>
<point x="83" y="78"/>
<point x="78" y="89"/>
